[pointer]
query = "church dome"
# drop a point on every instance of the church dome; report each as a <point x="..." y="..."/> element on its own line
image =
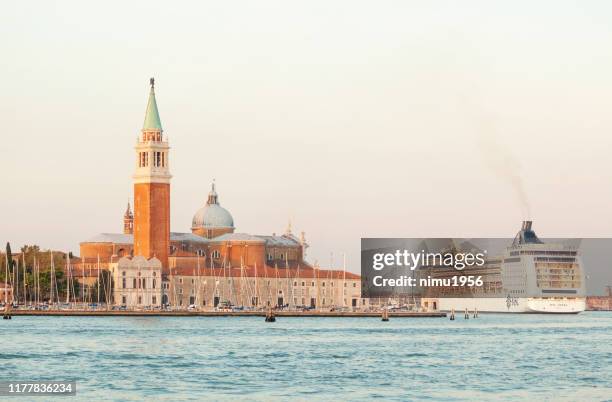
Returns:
<point x="212" y="215"/>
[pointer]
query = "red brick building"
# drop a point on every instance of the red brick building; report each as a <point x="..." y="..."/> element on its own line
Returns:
<point x="212" y="242"/>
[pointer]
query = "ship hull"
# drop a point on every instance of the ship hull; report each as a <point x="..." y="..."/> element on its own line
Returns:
<point x="514" y="305"/>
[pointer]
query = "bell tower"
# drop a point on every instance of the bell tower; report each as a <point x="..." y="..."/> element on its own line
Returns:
<point x="152" y="188"/>
<point x="128" y="220"/>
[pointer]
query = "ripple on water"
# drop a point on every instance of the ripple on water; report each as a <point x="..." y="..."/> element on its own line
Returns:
<point x="508" y="356"/>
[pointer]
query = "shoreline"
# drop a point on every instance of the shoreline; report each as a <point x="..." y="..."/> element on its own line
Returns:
<point x="85" y="313"/>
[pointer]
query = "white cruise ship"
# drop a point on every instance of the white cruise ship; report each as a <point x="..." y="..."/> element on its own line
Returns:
<point x="530" y="277"/>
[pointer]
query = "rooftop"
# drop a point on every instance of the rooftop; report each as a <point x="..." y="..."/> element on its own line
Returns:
<point x="121" y="238"/>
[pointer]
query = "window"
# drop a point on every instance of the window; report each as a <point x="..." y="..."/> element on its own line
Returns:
<point x="192" y="281"/>
<point x="134" y="283"/>
<point x="180" y="291"/>
<point x="294" y="283"/>
<point x="123" y="284"/>
<point x="323" y="284"/>
<point x="180" y="280"/>
<point x="154" y="282"/>
<point x="163" y="159"/>
<point x="303" y="283"/>
<point x="312" y="284"/>
<point x="123" y="274"/>
<point x="154" y="300"/>
<point x="281" y="256"/>
<point x="216" y="254"/>
<point x="144" y="286"/>
<point x="354" y="284"/>
<point x="123" y="300"/>
<point x="139" y="299"/>
<point x="270" y="257"/>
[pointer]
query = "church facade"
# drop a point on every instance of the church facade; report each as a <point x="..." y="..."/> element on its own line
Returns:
<point x="212" y="266"/>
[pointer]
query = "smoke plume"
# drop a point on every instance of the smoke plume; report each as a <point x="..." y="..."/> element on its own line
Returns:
<point x="504" y="165"/>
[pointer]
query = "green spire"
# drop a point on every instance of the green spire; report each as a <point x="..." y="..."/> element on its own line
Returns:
<point x="152" y="121"/>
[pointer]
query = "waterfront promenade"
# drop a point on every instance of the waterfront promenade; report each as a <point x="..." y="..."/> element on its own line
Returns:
<point x="187" y="313"/>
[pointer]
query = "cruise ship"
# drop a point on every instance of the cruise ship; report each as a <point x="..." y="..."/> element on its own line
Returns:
<point x="529" y="277"/>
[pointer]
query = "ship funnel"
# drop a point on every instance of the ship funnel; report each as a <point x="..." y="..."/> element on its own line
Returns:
<point x="526" y="235"/>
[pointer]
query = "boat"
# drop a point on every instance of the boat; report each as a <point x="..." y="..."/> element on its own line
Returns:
<point x="529" y="277"/>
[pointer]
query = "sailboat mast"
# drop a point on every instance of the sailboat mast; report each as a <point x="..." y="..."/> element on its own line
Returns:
<point x="25" y="294"/>
<point x="98" y="266"/>
<point x="6" y="279"/>
<point x="256" y="287"/>
<point x="35" y="270"/>
<point x="52" y="277"/>
<point x="197" y="291"/>
<point x="83" y="285"/>
<point x="68" y="284"/>
<point x="343" y="279"/>
<point x="17" y="280"/>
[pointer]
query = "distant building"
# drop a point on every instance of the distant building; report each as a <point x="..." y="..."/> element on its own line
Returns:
<point x="137" y="282"/>
<point x="226" y="261"/>
<point x="6" y="292"/>
<point x="263" y="287"/>
<point x="600" y="303"/>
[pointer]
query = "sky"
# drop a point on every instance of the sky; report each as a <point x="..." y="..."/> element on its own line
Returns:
<point x="350" y="118"/>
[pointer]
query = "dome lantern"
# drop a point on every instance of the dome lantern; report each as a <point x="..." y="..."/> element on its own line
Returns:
<point x="212" y="219"/>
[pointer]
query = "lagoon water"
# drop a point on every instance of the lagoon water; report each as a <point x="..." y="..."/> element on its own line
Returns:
<point x="514" y="357"/>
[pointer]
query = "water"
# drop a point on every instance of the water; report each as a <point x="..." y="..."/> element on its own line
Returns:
<point x="515" y="357"/>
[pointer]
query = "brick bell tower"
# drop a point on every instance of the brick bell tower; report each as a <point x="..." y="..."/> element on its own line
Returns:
<point x="152" y="188"/>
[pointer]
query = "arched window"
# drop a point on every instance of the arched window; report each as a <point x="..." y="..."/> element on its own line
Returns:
<point x="134" y="283"/>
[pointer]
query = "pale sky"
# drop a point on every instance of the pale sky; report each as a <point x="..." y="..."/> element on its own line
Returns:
<point x="352" y="119"/>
